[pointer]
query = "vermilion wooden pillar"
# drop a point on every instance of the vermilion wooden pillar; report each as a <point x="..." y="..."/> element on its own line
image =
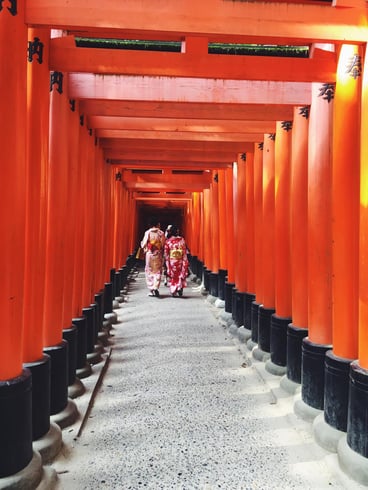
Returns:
<point x="207" y="243"/>
<point x="230" y="282"/>
<point x="267" y="309"/>
<point x="250" y="251"/>
<point x="240" y="225"/>
<point x="297" y="330"/>
<point x="282" y="317"/>
<point x="15" y="382"/>
<point x="38" y="98"/>
<point x="319" y="337"/>
<point x="223" y="255"/>
<point x="349" y="339"/>
<point x="216" y="235"/>
<point x="258" y="220"/>
<point x="345" y="239"/>
<point x="56" y="252"/>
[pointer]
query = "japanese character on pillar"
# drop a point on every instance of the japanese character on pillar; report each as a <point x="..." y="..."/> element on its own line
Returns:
<point x="56" y="78"/>
<point x="13" y="6"/>
<point x="35" y="48"/>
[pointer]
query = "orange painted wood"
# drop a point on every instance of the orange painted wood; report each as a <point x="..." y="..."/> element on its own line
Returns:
<point x="345" y="206"/>
<point x="258" y="222"/>
<point x="282" y="222"/>
<point x="173" y="155"/>
<point x="194" y="90"/>
<point x="180" y="124"/>
<point x="13" y="99"/>
<point x="215" y="224"/>
<point x="116" y="139"/>
<point x="223" y="216"/>
<point x="38" y="81"/>
<point x="177" y="109"/>
<point x="299" y="219"/>
<point x="278" y="21"/>
<point x="250" y="220"/>
<point x="363" y="237"/>
<point x="240" y="225"/>
<point x="198" y="138"/>
<point x="207" y="232"/>
<point x="161" y="165"/>
<point x="72" y="226"/>
<point x="230" y="225"/>
<point x="319" y="220"/>
<point x="268" y="223"/>
<point x="132" y="62"/>
<point x="56" y="219"/>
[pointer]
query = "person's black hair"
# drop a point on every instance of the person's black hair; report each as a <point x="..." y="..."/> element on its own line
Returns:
<point x="174" y="230"/>
<point x="154" y="221"/>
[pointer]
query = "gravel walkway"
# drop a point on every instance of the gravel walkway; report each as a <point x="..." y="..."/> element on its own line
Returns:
<point x="182" y="406"/>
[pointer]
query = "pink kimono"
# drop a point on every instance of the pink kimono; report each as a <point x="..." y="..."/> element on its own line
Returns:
<point x="153" y="244"/>
<point x="176" y="264"/>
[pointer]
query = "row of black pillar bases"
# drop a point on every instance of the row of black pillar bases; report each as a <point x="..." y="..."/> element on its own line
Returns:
<point x="41" y="390"/>
<point x="337" y="386"/>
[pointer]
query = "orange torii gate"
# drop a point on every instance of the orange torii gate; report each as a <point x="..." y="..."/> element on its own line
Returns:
<point x="274" y="151"/>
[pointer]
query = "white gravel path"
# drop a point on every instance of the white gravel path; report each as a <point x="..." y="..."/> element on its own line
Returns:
<point x="179" y="408"/>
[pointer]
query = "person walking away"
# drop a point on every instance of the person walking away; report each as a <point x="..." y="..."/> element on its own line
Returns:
<point x="175" y="253"/>
<point x="153" y="244"/>
<point x="167" y="235"/>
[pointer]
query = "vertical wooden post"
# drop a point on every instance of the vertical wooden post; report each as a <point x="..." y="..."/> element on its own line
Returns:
<point x="15" y="382"/>
<point x="319" y="337"/>
<point x="345" y="223"/>
<point x="215" y="235"/>
<point x="258" y="224"/>
<point x="240" y="225"/>
<point x="223" y="257"/>
<point x="267" y="308"/>
<point x="282" y="317"/>
<point x="230" y="283"/>
<point x="38" y="99"/>
<point x="297" y="330"/>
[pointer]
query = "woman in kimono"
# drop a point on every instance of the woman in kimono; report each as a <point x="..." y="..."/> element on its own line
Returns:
<point x="153" y="245"/>
<point x="175" y="251"/>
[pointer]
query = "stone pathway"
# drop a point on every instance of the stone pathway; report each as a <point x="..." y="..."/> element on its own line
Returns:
<point x="182" y="406"/>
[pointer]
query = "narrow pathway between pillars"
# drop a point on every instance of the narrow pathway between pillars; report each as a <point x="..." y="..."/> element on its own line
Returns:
<point x="181" y="406"/>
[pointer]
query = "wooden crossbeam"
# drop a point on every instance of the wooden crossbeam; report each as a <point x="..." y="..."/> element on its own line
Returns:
<point x="109" y="137"/>
<point x="218" y="20"/>
<point x="67" y="58"/>
<point x="176" y="109"/>
<point x="194" y="90"/>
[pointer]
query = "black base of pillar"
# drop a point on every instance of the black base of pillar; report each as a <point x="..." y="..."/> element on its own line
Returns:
<point x="206" y="278"/>
<point x="15" y="423"/>
<point x="200" y="270"/>
<point x="214" y="284"/>
<point x="229" y="286"/>
<point x="337" y="371"/>
<point x="247" y="309"/>
<point x="264" y="327"/>
<point x="89" y="313"/>
<point x="254" y="315"/>
<point x="70" y="335"/>
<point x="59" y="376"/>
<point x="294" y="340"/>
<point x="99" y="297"/>
<point x="313" y="373"/>
<point x="357" y="427"/>
<point x="108" y="297"/>
<point x="221" y="283"/>
<point x="81" y="324"/>
<point x="41" y="376"/>
<point x="278" y="332"/>
<point x="238" y="307"/>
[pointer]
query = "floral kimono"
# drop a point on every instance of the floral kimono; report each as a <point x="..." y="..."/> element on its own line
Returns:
<point x="176" y="264"/>
<point x="153" y="244"/>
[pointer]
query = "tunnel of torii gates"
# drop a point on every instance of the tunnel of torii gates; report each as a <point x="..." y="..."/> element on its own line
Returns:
<point x="261" y="160"/>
